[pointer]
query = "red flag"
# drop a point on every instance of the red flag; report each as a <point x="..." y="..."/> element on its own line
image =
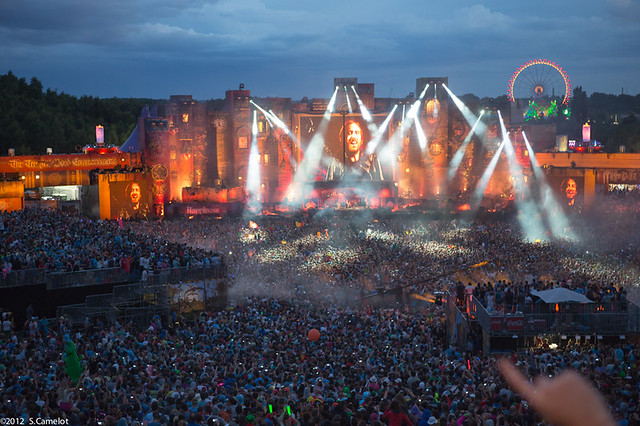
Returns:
<point x="253" y="225"/>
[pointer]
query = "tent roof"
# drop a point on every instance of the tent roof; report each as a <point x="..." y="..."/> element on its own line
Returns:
<point x="132" y="143"/>
<point x="561" y="294"/>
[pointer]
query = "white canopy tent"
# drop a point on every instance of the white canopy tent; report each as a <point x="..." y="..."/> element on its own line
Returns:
<point x="560" y="295"/>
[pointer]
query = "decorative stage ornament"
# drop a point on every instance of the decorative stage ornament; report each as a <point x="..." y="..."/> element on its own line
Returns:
<point x="159" y="172"/>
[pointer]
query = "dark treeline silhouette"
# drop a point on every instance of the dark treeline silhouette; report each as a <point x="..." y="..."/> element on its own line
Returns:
<point x="33" y="119"/>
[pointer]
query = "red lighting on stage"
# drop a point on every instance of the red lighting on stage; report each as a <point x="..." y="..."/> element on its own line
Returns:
<point x="100" y="150"/>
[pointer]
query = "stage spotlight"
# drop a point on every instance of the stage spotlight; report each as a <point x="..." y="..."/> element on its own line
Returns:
<point x="424" y="91"/>
<point x="273" y="119"/>
<point x="253" y="170"/>
<point x="365" y="112"/>
<point x="528" y="212"/>
<point x="346" y="94"/>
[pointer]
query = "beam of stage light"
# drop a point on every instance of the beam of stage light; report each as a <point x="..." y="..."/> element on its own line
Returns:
<point x="478" y="193"/>
<point x="278" y="123"/>
<point x="273" y="121"/>
<point x="413" y="114"/>
<point x="459" y="155"/>
<point x="363" y="109"/>
<point x="435" y="100"/>
<point x="389" y="154"/>
<point x="375" y="141"/>
<point x="285" y="128"/>
<point x="424" y="92"/>
<point x="422" y="138"/>
<point x="373" y="128"/>
<point x="346" y="93"/>
<point x="465" y="111"/>
<point x="528" y="213"/>
<point x="253" y="172"/>
<point x="312" y="156"/>
<point x="557" y="220"/>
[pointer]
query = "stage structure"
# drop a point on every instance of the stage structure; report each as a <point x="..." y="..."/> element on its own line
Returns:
<point x="351" y="149"/>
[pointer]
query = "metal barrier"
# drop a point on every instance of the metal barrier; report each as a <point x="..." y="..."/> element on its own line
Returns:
<point x="479" y="313"/>
<point x="126" y="292"/>
<point x="78" y="313"/>
<point x="20" y="277"/>
<point x="138" y="301"/>
<point x="580" y="320"/>
<point x="58" y="280"/>
<point x="85" y="277"/>
<point x="177" y="275"/>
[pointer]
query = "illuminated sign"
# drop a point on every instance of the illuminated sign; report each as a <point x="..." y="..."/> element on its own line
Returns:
<point x="59" y="162"/>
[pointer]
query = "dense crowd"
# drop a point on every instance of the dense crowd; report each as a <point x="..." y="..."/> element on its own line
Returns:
<point x="363" y="253"/>
<point x="54" y="241"/>
<point x="256" y="362"/>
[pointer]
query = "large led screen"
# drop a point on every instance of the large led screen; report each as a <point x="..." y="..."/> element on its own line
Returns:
<point x="130" y="199"/>
<point x="346" y="139"/>
<point x="569" y="192"/>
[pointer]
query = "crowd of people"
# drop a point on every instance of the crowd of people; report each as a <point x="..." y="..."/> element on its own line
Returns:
<point x="55" y="242"/>
<point x="365" y="254"/>
<point x="256" y="361"/>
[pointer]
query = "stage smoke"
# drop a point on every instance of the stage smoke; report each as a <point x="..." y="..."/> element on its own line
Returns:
<point x="557" y="220"/>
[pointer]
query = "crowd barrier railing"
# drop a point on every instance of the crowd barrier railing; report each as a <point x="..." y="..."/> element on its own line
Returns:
<point x="84" y="277"/>
<point x="58" y="280"/>
<point x="21" y="277"/>
<point x="587" y="320"/>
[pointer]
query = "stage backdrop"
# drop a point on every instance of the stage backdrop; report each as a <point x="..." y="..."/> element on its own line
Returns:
<point x="336" y="142"/>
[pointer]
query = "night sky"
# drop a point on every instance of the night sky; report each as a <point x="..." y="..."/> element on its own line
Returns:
<point x="287" y="48"/>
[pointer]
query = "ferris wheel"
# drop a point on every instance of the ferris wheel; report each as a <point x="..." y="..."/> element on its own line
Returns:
<point x="540" y="79"/>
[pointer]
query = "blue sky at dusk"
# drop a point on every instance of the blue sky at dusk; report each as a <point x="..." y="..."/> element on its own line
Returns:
<point x="286" y="48"/>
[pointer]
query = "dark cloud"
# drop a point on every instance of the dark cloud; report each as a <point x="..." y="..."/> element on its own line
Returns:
<point x="289" y="48"/>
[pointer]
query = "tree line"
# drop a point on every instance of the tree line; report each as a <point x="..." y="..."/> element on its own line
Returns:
<point x="33" y="119"/>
